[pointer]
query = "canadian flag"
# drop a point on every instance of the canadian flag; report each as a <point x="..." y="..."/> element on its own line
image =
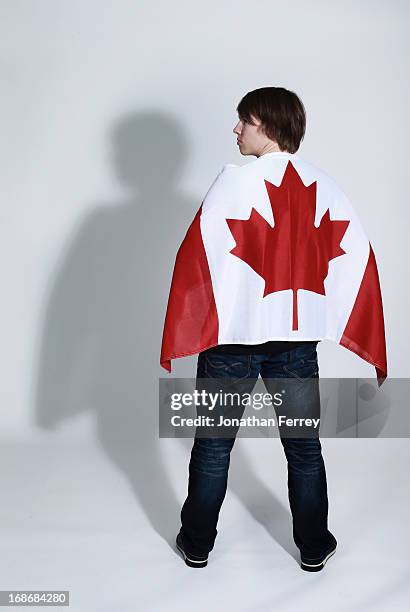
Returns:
<point x="275" y="252"/>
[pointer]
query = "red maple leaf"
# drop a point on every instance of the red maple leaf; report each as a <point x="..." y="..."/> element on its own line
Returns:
<point x="294" y="254"/>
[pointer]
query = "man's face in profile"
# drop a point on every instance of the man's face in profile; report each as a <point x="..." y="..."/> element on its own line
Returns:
<point x="251" y="138"/>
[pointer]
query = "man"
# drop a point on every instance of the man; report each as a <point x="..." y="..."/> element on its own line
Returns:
<point x="279" y="285"/>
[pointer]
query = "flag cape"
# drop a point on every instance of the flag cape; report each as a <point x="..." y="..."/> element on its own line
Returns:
<point x="275" y="252"/>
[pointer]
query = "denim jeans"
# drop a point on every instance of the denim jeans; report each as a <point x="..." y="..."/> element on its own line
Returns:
<point x="210" y="457"/>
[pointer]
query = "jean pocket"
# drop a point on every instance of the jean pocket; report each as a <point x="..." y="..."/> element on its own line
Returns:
<point x="302" y="368"/>
<point x="233" y="367"/>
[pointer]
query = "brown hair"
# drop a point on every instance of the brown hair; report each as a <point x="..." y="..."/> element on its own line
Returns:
<point x="281" y="112"/>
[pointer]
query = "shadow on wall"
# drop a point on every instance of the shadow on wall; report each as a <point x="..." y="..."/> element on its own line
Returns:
<point x="105" y="307"/>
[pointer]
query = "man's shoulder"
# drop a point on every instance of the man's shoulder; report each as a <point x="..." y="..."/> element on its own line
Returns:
<point x="307" y="170"/>
<point x="234" y="181"/>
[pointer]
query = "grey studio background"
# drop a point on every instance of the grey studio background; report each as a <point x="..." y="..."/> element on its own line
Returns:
<point x="116" y="118"/>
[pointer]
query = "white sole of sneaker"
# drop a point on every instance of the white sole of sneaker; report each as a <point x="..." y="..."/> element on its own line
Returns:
<point x="332" y="552"/>
<point x="186" y="558"/>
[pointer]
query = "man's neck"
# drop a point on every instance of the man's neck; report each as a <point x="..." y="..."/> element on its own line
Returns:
<point x="271" y="148"/>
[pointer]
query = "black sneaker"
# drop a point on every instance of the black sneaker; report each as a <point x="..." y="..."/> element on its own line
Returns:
<point x="315" y="565"/>
<point x="191" y="560"/>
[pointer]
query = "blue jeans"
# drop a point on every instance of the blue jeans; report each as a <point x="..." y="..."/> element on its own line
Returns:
<point x="210" y="457"/>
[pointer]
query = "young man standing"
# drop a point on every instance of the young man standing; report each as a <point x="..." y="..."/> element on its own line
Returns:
<point x="261" y="307"/>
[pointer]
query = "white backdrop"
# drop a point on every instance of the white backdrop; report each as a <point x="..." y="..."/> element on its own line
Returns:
<point x="117" y="116"/>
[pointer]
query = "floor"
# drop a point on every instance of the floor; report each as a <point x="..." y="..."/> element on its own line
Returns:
<point x="101" y="523"/>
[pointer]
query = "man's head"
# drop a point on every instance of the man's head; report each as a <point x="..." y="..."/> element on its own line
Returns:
<point x="270" y="119"/>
